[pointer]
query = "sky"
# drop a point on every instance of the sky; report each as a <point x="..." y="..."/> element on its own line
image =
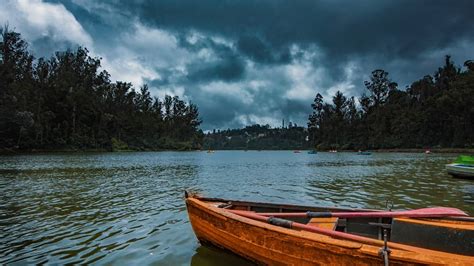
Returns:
<point x="247" y="62"/>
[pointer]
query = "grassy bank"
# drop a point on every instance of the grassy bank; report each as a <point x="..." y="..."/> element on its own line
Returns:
<point x="438" y="150"/>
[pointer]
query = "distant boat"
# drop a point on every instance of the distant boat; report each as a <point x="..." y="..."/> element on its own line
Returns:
<point x="364" y="153"/>
<point x="427" y="152"/>
<point x="210" y="151"/>
<point x="296" y="151"/>
<point x="312" y="152"/>
<point x="333" y="151"/>
<point x="462" y="167"/>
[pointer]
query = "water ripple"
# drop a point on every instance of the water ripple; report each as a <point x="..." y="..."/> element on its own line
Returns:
<point x="128" y="207"/>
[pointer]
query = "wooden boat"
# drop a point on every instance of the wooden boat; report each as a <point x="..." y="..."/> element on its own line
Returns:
<point x="364" y="153"/>
<point x="447" y="241"/>
<point x="462" y="167"/>
<point x="313" y="152"/>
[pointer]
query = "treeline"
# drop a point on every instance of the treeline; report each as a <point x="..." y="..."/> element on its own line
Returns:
<point x="433" y="112"/>
<point x="67" y="102"/>
<point x="258" y="137"/>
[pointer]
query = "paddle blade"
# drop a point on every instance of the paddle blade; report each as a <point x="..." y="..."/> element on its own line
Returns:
<point x="435" y="212"/>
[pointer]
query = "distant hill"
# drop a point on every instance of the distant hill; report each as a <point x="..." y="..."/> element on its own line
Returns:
<point x="258" y="137"/>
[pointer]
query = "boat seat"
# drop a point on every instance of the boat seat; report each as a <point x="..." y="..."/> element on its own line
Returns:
<point x="453" y="237"/>
<point x="326" y="223"/>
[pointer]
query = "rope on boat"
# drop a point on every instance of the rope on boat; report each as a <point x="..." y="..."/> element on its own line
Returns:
<point x="280" y="222"/>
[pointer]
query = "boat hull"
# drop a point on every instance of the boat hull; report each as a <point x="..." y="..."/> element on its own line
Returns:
<point x="267" y="244"/>
<point x="270" y="247"/>
<point x="460" y="170"/>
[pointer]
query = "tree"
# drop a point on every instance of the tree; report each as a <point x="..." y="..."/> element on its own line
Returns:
<point x="469" y="64"/>
<point x="15" y="85"/>
<point x="315" y="117"/>
<point x="446" y="74"/>
<point x="67" y="102"/>
<point x="379" y="86"/>
<point x="431" y="112"/>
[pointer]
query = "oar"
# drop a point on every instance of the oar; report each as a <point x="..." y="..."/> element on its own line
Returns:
<point x="323" y="231"/>
<point x="435" y="212"/>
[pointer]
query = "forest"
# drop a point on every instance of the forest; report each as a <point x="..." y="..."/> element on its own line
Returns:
<point x="433" y="112"/>
<point x="67" y="102"/>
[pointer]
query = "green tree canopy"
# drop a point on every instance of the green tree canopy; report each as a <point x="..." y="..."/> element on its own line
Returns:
<point x="69" y="102"/>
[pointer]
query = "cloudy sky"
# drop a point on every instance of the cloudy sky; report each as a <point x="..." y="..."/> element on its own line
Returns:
<point x="245" y="62"/>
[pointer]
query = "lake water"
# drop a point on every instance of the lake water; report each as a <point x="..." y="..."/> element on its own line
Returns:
<point x="124" y="208"/>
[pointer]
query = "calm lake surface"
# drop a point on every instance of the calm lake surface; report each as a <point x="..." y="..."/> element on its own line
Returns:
<point x="128" y="208"/>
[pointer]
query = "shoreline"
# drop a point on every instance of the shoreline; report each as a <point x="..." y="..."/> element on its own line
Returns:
<point x="407" y="150"/>
<point x="72" y="151"/>
<point x="437" y="150"/>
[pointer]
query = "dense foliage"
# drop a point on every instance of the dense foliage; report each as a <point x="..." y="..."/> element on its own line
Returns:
<point x="67" y="102"/>
<point x="258" y="137"/>
<point x="433" y="112"/>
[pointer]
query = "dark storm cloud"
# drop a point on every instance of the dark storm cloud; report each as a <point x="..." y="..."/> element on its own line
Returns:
<point x="103" y="21"/>
<point x="257" y="50"/>
<point x="263" y="31"/>
<point x="342" y="28"/>
<point x="219" y="119"/>
<point x="245" y="60"/>
<point x="227" y="64"/>
<point x="226" y="69"/>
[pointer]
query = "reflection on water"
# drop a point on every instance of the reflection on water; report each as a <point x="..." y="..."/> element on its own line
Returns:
<point x="128" y="207"/>
<point x="210" y="255"/>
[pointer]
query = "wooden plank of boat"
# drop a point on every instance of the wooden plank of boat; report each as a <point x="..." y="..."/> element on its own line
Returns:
<point x="460" y="170"/>
<point x="213" y="223"/>
<point x="328" y="223"/>
<point x="447" y="235"/>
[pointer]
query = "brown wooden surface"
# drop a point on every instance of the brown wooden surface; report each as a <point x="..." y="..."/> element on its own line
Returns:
<point x="274" y="245"/>
<point x="442" y="223"/>
<point x="327" y="223"/>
